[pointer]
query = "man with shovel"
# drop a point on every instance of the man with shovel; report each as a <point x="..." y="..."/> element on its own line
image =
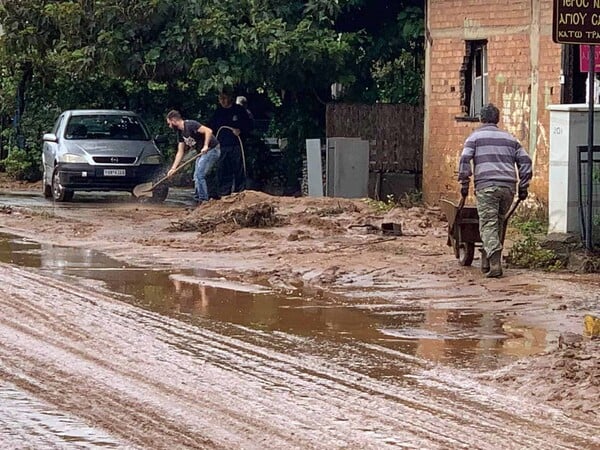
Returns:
<point x="494" y="153"/>
<point x="194" y="136"/>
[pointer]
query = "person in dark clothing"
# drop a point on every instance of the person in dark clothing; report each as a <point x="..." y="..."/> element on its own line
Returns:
<point x="195" y="136"/>
<point x="243" y="102"/>
<point x="231" y="124"/>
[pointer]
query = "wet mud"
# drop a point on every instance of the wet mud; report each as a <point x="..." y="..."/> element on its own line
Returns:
<point x="158" y="382"/>
<point x="139" y="337"/>
<point x="454" y="334"/>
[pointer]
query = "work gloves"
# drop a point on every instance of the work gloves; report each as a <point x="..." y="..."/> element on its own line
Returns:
<point x="523" y="193"/>
<point x="464" y="190"/>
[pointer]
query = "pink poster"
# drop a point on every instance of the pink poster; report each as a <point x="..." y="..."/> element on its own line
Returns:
<point x="584" y="58"/>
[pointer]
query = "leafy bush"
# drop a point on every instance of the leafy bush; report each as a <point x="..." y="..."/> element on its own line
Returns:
<point x="529" y="227"/>
<point x="381" y="206"/>
<point x="22" y="164"/>
<point x="527" y="251"/>
<point x="411" y="198"/>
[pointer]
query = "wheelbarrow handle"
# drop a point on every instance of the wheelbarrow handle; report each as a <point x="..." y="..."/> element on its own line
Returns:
<point x="512" y="210"/>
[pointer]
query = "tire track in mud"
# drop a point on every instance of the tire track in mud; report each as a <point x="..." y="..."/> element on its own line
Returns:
<point x="159" y="383"/>
<point x="470" y="404"/>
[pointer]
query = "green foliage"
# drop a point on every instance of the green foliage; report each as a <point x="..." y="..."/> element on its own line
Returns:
<point x="529" y="226"/>
<point x="390" y="64"/>
<point x="527" y="253"/>
<point x="154" y="55"/>
<point x="382" y="206"/>
<point x="21" y="164"/>
<point x="411" y="198"/>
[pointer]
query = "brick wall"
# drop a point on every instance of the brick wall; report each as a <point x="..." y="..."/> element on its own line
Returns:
<point x="523" y="78"/>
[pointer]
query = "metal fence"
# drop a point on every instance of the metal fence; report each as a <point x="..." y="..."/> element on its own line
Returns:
<point x="586" y="197"/>
<point x="395" y="133"/>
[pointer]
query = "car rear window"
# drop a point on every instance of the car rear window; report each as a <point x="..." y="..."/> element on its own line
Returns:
<point x="106" y="126"/>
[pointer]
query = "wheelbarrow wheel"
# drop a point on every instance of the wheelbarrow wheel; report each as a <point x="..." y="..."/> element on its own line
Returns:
<point x="466" y="253"/>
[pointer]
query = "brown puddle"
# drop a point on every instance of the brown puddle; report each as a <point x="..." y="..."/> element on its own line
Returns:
<point x="459" y="337"/>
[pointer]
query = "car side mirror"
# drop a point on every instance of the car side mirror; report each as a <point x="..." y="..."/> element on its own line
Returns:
<point x="50" y="137"/>
<point x="160" y="139"/>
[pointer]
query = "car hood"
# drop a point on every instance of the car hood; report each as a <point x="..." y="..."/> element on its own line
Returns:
<point x="111" y="148"/>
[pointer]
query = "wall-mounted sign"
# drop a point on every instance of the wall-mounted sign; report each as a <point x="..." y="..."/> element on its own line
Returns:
<point x="584" y="58"/>
<point x="576" y="22"/>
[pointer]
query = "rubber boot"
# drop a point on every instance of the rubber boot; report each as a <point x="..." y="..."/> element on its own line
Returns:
<point x="485" y="262"/>
<point x="495" y="265"/>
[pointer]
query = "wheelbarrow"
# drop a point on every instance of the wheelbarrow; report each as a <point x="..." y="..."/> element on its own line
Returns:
<point x="463" y="228"/>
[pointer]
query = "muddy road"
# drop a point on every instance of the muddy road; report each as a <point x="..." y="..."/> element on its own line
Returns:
<point x="118" y="332"/>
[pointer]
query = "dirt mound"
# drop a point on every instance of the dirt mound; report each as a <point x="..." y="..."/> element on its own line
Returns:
<point x="322" y="206"/>
<point x="239" y="200"/>
<point x="258" y="215"/>
<point x="568" y="377"/>
<point x="252" y="209"/>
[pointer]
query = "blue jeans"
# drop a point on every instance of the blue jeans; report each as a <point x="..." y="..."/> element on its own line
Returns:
<point x="203" y="166"/>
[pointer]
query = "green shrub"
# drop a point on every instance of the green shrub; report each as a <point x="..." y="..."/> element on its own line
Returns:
<point x="381" y="206"/>
<point x="22" y="164"/>
<point x="529" y="226"/>
<point x="411" y="198"/>
<point x="528" y="253"/>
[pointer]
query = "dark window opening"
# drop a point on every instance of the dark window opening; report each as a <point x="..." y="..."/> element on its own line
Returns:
<point x="573" y="80"/>
<point x="474" y="78"/>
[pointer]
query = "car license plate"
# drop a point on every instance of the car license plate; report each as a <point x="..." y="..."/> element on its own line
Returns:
<point x="114" y="172"/>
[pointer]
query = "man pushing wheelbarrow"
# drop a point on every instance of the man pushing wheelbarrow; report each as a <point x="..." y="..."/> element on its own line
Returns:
<point x="497" y="156"/>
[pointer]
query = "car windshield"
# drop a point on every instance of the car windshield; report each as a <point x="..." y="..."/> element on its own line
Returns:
<point x="106" y="126"/>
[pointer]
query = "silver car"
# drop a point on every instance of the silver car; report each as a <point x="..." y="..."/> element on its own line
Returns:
<point x="99" y="150"/>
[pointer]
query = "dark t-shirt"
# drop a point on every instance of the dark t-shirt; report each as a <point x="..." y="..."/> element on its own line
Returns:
<point x="192" y="138"/>
<point x="235" y="117"/>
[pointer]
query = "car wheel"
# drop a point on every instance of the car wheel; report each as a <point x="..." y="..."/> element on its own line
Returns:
<point x="159" y="193"/>
<point x="46" y="188"/>
<point x="59" y="192"/>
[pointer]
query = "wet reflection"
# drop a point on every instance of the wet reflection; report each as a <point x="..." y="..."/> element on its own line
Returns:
<point x="460" y="337"/>
<point x="19" y="411"/>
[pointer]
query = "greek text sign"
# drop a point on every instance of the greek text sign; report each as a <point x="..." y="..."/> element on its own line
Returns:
<point x="576" y="22"/>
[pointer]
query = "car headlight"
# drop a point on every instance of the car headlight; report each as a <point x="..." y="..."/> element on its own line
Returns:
<point x="72" y="158"/>
<point x="152" y="159"/>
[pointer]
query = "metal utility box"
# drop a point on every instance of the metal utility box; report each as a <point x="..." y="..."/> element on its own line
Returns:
<point x="568" y="130"/>
<point x="347" y="167"/>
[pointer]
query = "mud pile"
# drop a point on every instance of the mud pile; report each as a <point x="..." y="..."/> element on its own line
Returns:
<point x="567" y="378"/>
<point x="260" y="215"/>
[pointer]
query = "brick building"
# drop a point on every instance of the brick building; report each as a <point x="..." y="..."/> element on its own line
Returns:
<point x="500" y="52"/>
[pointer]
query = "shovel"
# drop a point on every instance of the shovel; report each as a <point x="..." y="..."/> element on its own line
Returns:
<point x="145" y="189"/>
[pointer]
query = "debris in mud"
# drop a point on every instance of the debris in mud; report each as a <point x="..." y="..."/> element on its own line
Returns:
<point x="320" y="223"/>
<point x="591" y="325"/>
<point x="571" y="375"/>
<point x="333" y="210"/>
<point x="365" y="228"/>
<point x="261" y="215"/>
<point x="6" y="209"/>
<point x="391" y="228"/>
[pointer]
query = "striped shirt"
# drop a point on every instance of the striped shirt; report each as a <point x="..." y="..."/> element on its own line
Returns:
<point x="494" y="153"/>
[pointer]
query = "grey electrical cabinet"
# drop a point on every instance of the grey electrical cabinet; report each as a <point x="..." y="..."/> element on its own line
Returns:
<point x="347" y="167"/>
